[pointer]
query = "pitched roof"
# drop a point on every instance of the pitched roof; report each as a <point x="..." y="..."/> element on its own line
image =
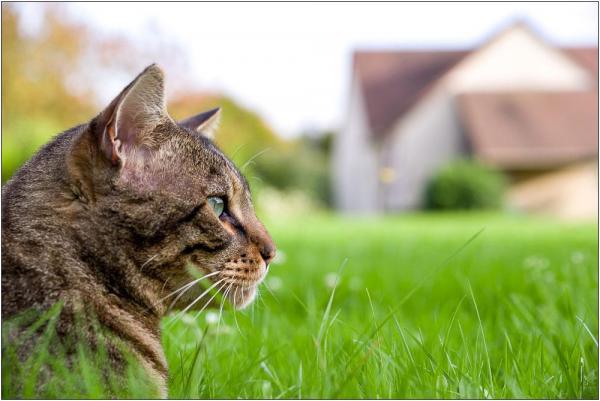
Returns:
<point x="393" y="81"/>
<point x="531" y="130"/>
<point x="587" y="57"/>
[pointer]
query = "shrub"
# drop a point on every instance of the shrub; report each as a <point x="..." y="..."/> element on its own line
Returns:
<point x="465" y="184"/>
<point x="303" y="167"/>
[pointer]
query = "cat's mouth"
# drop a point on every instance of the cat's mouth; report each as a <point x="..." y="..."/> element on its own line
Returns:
<point x="243" y="291"/>
<point x="238" y="284"/>
<point x="244" y="296"/>
<point x="242" y="285"/>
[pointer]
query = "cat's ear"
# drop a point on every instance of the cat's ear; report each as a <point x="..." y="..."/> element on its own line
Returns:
<point x="204" y="123"/>
<point x="133" y="114"/>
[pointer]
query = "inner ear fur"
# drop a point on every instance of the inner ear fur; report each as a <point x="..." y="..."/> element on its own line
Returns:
<point x="123" y="125"/>
<point x="134" y="113"/>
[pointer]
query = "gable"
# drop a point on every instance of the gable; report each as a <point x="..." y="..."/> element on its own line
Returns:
<point x="518" y="60"/>
<point x="393" y="82"/>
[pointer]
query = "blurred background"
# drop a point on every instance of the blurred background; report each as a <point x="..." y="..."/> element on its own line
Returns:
<point x="467" y="132"/>
<point x="360" y="108"/>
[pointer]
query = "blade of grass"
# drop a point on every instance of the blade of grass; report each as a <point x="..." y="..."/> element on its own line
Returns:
<point x="329" y="303"/>
<point x="485" y="347"/>
<point x="585" y="326"/>
<point x="402" y="301"/>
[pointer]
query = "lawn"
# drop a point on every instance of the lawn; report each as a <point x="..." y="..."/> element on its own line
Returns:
<point x="418" y="306"/>
<point x="424" y="307"/>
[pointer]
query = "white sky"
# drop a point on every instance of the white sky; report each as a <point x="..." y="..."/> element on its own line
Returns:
<point x="290" y="62"/>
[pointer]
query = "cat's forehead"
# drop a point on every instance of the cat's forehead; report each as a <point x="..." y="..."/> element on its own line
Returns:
<point x="217" y="155"/>
<point x="232" y="168"/>
<point x="205" y="159"/>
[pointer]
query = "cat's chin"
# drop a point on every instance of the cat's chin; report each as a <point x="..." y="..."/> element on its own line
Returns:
<point x="243" y="297"/>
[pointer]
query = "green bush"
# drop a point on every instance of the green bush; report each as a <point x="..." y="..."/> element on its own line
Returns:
<point x="21" y="138"/>
<point x="465" y="184"/>
<point x="304" y="167"/>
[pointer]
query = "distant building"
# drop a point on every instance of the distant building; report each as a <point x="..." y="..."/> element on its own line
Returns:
<point x="516" y="103"/>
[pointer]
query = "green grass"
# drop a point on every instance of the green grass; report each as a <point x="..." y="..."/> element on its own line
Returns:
<point x="425" y="306"/>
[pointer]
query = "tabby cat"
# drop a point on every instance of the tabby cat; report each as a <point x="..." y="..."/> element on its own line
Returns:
<point x="117" y="216"/>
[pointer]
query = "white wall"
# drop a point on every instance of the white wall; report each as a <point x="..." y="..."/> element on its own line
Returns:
<point x="354" y="158"/>
<point x="420" y="143"/>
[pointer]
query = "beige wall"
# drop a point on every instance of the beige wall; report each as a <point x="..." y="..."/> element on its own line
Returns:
<point x="569" y="193"/>
<point x="517" y="60"/>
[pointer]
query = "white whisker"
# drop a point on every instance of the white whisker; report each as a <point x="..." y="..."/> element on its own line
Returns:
<point x="252" y="159"/>
<point x="208" y="302"/>
<point x="165" y="283"/>
<point x="190" y="285"/>
<point x="185" y="286"/>
<point x="202" y="295"/>
<point x="180" y="314"/>
<point x="256" y="178"/>
<point x="235" y="315"/>
<point x="258" y="297"/>
<point x="148" y="261"/>
<point x="235" y="152"/>
<point x="223" y="299"/>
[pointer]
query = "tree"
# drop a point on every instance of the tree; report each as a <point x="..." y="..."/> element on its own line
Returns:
<point x="50" y="78"/>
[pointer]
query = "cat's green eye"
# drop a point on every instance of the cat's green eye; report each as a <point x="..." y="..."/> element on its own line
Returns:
<point x="217" y="204"/>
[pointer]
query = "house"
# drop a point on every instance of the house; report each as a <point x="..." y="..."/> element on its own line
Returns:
<point x="516" y="103"/>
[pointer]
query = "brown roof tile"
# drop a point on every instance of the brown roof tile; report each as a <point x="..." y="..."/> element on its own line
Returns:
<point x="531" y="130"/>
<point x="393" y="81"/>
<point x="587" y="57"/>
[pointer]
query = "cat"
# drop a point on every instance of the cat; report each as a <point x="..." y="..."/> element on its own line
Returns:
<point x="116" y="216"/>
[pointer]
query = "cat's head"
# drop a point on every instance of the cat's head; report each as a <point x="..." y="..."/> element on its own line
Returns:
<point x="178" y="206"/>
